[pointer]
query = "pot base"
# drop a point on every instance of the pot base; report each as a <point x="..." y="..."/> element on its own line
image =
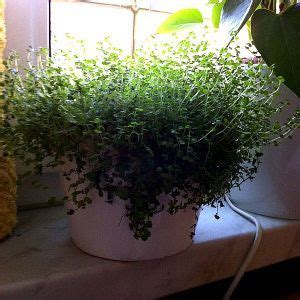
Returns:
<point x="102" y="230"/>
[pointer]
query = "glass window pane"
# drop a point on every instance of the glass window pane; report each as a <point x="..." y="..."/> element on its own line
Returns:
<point x="170" y="5"/>
<point x="113" y="2"/>
<point x="117" y="2"/>
<point x="147" y="23"/>
<point x="91" y="22"/>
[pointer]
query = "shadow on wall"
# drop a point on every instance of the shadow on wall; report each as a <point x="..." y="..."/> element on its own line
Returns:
<point x="275" y="191"/>
<point x="29" y="195"/>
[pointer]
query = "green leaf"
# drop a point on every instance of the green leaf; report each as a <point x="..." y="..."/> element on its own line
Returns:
<point x="248" y="26"/>
<point x="216" y="14"/>
<point x="277" y="38"/>
<point x="181" y="19"/>
<point x="235" y="15"/>
<point x="52" y="201"/>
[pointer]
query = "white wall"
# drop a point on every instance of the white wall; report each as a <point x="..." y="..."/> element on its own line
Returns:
<point x="27" y="24"/>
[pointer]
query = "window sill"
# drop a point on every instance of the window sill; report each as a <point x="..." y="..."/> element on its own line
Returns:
<point x="40" y="262"/>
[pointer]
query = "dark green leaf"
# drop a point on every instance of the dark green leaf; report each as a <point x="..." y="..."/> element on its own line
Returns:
<point x="52" y="201"/>
<point x="277" y="38"/>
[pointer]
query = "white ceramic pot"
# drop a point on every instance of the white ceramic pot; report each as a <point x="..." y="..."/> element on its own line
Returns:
<point x="102" y="229"/>
<point x="275" y="191"/>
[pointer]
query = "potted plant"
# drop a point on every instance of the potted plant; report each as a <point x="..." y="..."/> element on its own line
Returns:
<point x="275" y="29"/>
<point x="142" y="142"/>
<point x="275" y="190"/>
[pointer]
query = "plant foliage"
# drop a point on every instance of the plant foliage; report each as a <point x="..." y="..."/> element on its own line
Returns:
<point x="177" y="119"/>
<point x="181" y="19"/>
<point x="276" y="36"/>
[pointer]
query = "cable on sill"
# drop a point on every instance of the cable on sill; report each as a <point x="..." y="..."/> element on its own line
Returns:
<point x="251" y="252"/>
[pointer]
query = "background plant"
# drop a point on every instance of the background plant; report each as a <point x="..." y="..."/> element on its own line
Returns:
<point x="275" y="28"/>
<point x="177" y="118"/>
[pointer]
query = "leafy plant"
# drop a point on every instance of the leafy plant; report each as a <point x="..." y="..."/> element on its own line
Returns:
<point x="276" y="36"/>
<point x="182" y="19"/>
<point x="216" y="12"/>
<point x="177" y="118"/>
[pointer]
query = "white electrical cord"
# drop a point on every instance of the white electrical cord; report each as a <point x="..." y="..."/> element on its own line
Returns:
<point x="251" y="252"/>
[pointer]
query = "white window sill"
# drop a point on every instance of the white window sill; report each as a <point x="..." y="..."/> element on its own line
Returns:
<point x="40" y="261"/>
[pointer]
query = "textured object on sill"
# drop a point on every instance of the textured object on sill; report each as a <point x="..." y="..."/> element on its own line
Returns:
<point x="8" y="209"/>
<point x="8" y="189"/>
